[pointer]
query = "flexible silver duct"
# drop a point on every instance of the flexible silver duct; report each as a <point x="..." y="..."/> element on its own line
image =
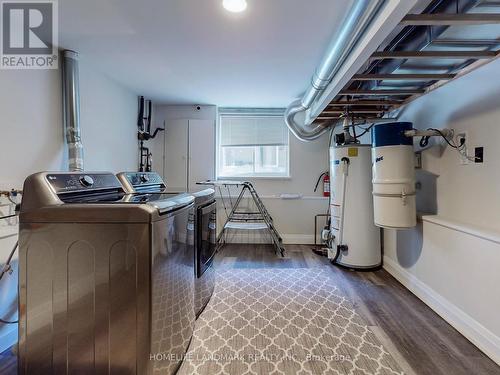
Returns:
<point x="71" y="108"/>
<point x="342" y="44"/>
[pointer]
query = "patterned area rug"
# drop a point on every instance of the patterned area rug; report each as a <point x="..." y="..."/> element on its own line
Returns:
<point x="283" y="321"/>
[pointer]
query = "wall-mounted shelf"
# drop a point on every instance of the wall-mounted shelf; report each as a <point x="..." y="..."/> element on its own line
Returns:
<point x="467" y="228"/>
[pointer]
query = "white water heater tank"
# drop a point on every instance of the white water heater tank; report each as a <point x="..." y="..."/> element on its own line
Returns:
<point x="351" y="208"/>
<point x="393" y="176"/>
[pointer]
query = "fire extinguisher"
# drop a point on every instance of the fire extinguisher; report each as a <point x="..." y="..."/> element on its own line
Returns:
<point x="325" y="176"/>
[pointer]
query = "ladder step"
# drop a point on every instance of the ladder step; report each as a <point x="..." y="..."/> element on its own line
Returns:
<point x="245" y="226"/>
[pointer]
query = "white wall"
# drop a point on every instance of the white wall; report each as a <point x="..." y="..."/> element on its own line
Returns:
<point x="32" y="133"/>
<point x="32" y="141"/>
<point x="293" y="218"/>
<point x="108" y="121"/>
<point x="451" y="260"/>
<point x="31" y="124"/>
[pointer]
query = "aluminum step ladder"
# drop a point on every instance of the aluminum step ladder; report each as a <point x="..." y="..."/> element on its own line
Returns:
<point x="244" y="220"/>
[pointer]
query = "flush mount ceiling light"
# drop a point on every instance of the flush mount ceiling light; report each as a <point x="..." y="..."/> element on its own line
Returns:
<point x="235" y="6"/>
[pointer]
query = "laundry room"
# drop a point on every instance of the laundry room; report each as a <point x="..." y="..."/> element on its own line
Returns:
<point x="249" y="187"/>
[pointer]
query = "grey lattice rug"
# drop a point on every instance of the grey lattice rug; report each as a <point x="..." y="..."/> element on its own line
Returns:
<point x="283" y="321"/>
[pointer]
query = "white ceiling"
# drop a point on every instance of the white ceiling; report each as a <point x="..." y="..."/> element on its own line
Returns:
<point x="193" y="51"/>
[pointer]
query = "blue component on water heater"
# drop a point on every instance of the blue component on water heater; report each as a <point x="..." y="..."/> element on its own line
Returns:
<point x="391" y="134"/>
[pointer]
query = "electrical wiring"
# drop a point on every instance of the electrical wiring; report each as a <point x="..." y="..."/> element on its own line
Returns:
<point x="462" y="150"/>
<point x="424" y="141"/>
<point x="16" y="205"/>
<point x="329" y="145"/>
<point x="331" y="136"/>
<point x="446" y="139"/>
<point x="366" y="130"/>
<point x="9" y="321"/>
<point x="456" y="143"/>
<point x="363" y="128"/>
<point x="317" y="183"/>
<point x="7" y="269"/>
<point x="12" y="200"/>
<point x="460" y="146"/>
<point x="8" y="216"/>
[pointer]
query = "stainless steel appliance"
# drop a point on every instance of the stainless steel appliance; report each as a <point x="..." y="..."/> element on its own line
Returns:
<point x="105" y="278"/>
<point x="205" y="246"/>
<point x="205" y="229"/>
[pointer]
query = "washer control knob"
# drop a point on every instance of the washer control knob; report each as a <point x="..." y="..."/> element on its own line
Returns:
<point x="144" y="178"/>
<point x="86" y="181"/>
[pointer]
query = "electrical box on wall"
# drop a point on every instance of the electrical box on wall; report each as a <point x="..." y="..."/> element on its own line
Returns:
<point x="479" y="154"/>
<point x="418" y="160"/>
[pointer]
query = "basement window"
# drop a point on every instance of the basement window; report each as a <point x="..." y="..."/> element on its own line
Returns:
<point x="252" y="144"/>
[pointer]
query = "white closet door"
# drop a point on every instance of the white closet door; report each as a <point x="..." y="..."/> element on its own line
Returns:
<point x="201" y="153"/>
<point x="175" y="170"/>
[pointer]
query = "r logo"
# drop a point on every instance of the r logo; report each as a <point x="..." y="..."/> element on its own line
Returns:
<point x="27" y="28"/>
<point x="29" y="34"/>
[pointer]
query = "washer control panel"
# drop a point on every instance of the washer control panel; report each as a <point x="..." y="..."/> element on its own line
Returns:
<point x="80" y="181"/>
<point x="144" y="178"/>
<point x="143" y="181"/>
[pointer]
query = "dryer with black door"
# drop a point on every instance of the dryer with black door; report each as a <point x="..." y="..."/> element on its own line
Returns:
<point x="205" y="246"/>
<point x="205" y="229"/>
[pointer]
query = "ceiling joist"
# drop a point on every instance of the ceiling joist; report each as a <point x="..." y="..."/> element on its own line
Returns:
<point x="422" y="69"/>
<point x="450" y="19"/>
<point x="476" y="55"/>
<point x="466" y="42"/>
<point x="363" y="111"/>
<point x="488" y="4"/>
<point x="319" y="118"/>
<point x="364" y="103"/>
<point x="398" y="77"/>
<point x="381" y="92"/>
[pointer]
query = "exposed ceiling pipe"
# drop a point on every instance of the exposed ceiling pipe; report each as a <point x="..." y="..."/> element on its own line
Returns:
<point x="354" y="25"/>
<point x="71" y="108"/>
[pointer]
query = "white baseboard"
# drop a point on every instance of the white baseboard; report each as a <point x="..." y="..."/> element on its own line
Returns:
<point x="298" y="239"/>
<point x="475" y="332"/>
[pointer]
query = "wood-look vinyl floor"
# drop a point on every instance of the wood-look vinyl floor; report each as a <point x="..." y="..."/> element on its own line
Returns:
<point x="419" y="339"/>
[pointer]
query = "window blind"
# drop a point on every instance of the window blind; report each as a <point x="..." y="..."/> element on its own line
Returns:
<point x="253" y="131"/>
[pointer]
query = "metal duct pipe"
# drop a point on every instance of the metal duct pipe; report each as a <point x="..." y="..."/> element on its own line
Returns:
<point x="354" y="25"/>
<point x="71" y="108"/>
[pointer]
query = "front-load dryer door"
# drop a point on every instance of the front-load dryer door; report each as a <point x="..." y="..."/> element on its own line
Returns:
<point x="207" y="237"/>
